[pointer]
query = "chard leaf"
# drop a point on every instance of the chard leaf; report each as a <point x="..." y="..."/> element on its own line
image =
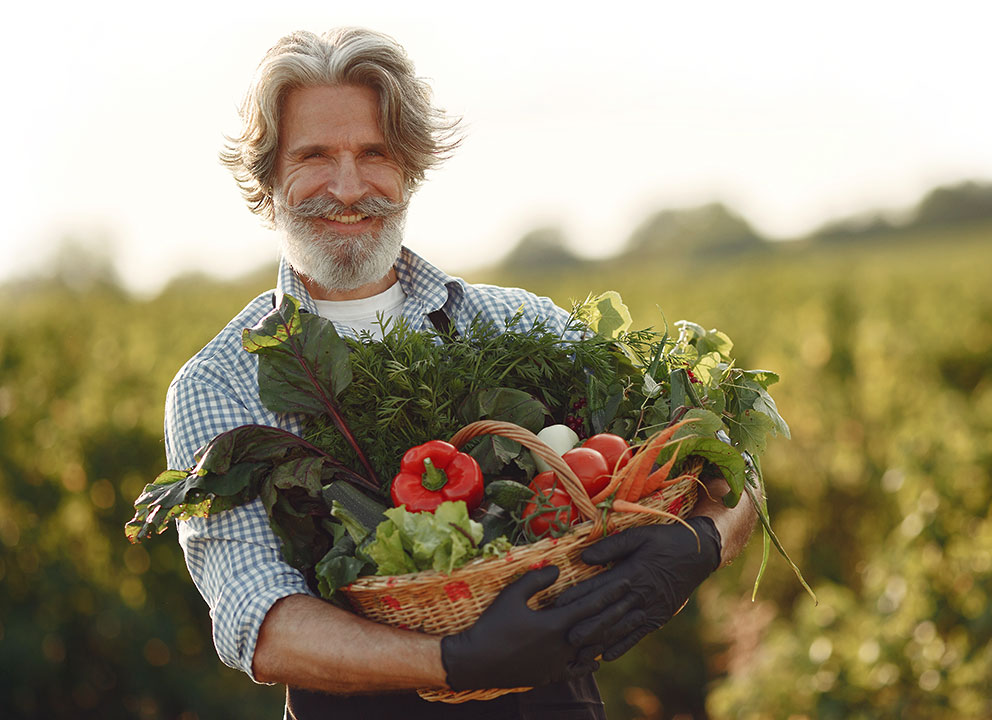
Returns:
<point x="302" y="366"/>
<point x="302" y="362"/>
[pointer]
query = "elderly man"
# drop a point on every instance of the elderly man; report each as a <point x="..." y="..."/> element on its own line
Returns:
<point x="338" y="133"/>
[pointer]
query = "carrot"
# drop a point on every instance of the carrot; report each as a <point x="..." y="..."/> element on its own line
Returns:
<point x="657" y="480"/>
<point x="633" y="486"/>
<point x="618" y="477"/>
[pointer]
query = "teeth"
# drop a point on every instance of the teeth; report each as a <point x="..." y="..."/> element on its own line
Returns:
<point x="347" y="219"/>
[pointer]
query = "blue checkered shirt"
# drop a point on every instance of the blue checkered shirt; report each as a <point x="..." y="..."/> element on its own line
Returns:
<point x="234" y="557"/>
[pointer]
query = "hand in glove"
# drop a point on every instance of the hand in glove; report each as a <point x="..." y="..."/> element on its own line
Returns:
<point x="663" y="565"/>
<point x="511" y="645"/>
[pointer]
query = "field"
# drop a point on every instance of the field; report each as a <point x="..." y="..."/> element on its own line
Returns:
<point x="881" y="496"/>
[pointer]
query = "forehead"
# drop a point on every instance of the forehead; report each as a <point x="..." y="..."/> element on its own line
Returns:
<point x="330" y="114"/>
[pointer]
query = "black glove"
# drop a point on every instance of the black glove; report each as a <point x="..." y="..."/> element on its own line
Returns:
<point x="663" y="565"/>
<point x="512" y="646"/>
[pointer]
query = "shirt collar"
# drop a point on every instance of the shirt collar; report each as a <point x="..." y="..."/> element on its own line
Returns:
<point x="423" y="283"/>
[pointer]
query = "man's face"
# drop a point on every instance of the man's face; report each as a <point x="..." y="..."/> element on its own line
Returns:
<point x="339" y="197"/>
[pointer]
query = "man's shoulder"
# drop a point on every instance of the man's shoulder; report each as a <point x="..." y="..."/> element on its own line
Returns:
<point x="499" y="303"/>
<point x="223" y="360"/>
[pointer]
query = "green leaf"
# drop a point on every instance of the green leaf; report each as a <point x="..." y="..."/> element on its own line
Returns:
<point x="704" y="422"/>
<point x="604" y="400"/>
<point x="606" y="314"/>
<point x="714" y="341"/>
<point x="725" y="457"/>
<point x="507" y="404"/>
<point x="303" y="473"/>
<point x="442" y="540"/>
<point x="334" y="571"/>
<point x="679" y="390"/>
<point x="302" y="362"/>
<point x="749" y="431"/>
<point x="761" y="401"/>
<point x="708" y="369"/>
<point x="493" y="452"/>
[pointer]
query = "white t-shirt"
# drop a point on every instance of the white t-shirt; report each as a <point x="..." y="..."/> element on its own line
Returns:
<point x="364" y="314"/>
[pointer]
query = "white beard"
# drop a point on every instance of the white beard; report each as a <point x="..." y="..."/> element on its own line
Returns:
<point x="339" y="262"/>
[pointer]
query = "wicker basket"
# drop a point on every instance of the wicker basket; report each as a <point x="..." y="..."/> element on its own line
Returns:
<point x="442" y="604"/>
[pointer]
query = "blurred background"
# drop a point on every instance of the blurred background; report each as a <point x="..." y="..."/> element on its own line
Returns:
<point x="817" y="183"/>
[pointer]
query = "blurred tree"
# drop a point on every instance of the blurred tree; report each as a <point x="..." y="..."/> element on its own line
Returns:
<point x="540" y="251"/>
<point x="706" y="230"/>
<point x="955" y="203"/>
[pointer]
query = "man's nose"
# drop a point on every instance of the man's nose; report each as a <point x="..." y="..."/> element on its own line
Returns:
<point x="347" y="183"/>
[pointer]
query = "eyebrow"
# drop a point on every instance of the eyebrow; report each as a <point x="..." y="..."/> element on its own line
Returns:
<point x="304" y="150"/>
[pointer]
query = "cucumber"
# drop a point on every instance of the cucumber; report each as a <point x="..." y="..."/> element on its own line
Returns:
<point x="508" y="493"/>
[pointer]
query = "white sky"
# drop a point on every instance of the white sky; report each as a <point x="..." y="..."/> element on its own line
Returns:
<point x="590" y="119"/>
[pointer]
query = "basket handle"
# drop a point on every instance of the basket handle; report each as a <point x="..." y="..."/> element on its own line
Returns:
<point x="540" y="448"/>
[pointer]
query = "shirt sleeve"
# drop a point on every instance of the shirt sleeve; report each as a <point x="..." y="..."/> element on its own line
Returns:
<point x="234" y="557"/>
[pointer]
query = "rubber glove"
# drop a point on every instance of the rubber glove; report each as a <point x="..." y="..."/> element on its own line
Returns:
<point x="663" y="564"/>
<point x="512" y="646"/>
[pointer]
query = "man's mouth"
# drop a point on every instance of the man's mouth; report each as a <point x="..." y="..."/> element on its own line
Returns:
<point x="346" y="219"/>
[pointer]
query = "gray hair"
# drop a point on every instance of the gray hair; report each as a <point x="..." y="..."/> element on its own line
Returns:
<point x="418" y="135"/>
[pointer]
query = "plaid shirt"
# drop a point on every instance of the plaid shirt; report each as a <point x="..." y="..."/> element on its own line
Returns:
<point x="234" y="557"/>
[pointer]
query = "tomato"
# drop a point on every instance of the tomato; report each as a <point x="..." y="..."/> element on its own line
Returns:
<point x="612" y="447"/>
<point x="545" y="482"/>
<point x="553" y="520"/>
<point x="590" y="467"/>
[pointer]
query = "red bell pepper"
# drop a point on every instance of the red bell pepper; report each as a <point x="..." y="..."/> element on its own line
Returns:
<point x="435" y="472"/>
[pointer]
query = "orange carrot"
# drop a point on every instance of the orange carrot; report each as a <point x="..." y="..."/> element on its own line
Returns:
<point x="615" y="481"/>
<point x="657" y="480"/>
<point x="632" y="488"/>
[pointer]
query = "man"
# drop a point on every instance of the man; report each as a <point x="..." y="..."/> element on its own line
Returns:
<point x="338" y="132"/>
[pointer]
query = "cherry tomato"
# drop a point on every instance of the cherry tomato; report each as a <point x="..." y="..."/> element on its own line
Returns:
<point x="612" y="447"/>
<point x="590" y="467"/>
<point x="553" y="520"/>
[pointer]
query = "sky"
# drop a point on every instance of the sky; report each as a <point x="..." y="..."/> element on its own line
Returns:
<point x="589" y="120"/>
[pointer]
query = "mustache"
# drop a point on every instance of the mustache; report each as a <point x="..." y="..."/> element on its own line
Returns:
<point x="373" y="206"/>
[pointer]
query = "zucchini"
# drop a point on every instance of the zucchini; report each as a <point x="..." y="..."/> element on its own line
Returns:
<point x="368" y="512"/>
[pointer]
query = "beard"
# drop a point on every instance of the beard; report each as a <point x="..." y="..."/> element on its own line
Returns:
<point x="332" y="260"/>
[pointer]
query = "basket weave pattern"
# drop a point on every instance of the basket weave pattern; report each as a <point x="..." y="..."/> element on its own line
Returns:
<point x="442" y="604"/>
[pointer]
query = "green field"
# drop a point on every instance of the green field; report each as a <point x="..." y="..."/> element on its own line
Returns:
<point x="882" y="495"/>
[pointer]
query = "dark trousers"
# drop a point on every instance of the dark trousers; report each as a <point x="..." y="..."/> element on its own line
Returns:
<point x="575" y="700"/>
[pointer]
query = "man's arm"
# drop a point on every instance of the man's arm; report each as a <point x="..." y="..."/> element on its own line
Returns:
<point x="306" y="642"/>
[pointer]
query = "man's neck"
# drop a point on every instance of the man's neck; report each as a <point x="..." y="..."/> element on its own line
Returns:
<point x="368" y="290"/>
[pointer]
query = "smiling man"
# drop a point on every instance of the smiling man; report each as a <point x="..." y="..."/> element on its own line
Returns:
<point x="337" y="134"/>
